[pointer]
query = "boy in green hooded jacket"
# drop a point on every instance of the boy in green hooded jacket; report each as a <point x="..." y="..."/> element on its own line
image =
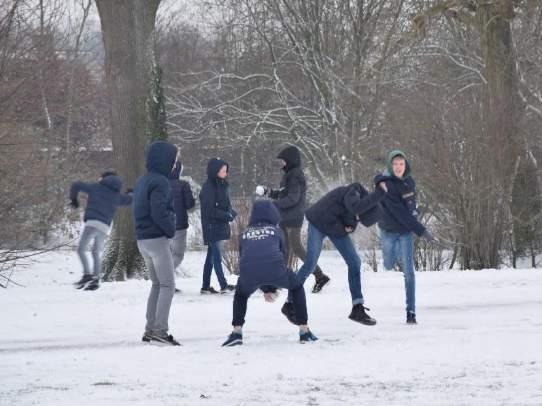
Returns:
<point x="398" y="222"/>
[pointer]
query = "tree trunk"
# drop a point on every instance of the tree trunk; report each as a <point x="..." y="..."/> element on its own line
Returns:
<point x="136" y="113"/>
<point x="502" y="110"/>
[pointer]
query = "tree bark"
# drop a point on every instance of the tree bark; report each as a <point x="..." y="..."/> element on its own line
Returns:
<point x="136" y="113"/>
<point x="502" y="115"/>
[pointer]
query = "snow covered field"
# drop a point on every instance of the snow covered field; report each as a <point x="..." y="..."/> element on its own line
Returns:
<point x="479" y="342"/>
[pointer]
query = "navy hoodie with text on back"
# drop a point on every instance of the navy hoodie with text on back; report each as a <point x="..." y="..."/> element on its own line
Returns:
<point x="262" y="247"/>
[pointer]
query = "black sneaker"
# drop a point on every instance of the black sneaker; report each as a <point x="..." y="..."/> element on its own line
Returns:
<point x="307" y="337"/>
<point x="81" y="283"/>
<point x="289" y="311"/>
<point x="411" y="318"/>
<point x="165" y="340"/>
<point x="320" y="283"/>
<point x="358" y="314"/>
<point x="93" y="284"/>
<point x="227" y="289"/>
<point x="233" y="340"/>
<point x="209" y="291"/>
<point x="146" y="338"/>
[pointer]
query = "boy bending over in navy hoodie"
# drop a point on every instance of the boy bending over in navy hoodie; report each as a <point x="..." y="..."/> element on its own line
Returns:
<point x="262" y="265"/>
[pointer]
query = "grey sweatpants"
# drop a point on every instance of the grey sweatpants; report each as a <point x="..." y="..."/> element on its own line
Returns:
<point x="157" y="255"/>
<point x="178" y="247"/>
<point x="91" y="235"/>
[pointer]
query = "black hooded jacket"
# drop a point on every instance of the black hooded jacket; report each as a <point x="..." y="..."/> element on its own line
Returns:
<point x="216" y="210"/>
<point x="345" y="206"/>
<point x="183" y="199"/>
<point x="290" y="199"/>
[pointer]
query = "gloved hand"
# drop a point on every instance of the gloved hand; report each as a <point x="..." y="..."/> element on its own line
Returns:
<point x="428" y="236"/>
<point x="74" y="204"/>
<point x="262" y="190"/>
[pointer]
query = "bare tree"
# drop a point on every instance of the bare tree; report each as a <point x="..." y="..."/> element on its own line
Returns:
<point x="33" y="113"/>
<point x="481" y="116"/>
<point x="300" y="80"/>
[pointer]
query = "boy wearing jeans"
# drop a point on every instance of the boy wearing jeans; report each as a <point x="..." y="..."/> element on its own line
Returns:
<point x="398" y="222"/>
<point x="335" y="216"/>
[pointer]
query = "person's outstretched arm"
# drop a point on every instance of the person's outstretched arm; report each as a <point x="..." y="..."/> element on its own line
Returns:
<point x="403" y="216"/>
<point x="358" y="205"/>
<point x="293" y="196"/>
<point x="78" y="187"/>
<point x="126" y="198"/>
<point x="74" y="191"/>
<point x="273" y="193"/>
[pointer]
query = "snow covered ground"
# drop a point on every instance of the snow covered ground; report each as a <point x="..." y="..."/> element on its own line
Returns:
<point x="478" y="343"/>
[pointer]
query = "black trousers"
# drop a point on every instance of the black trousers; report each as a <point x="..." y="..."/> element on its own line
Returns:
<point x="289" y="281"/>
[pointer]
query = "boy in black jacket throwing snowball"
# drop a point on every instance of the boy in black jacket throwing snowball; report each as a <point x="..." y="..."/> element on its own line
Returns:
<point x="290" y="199"/>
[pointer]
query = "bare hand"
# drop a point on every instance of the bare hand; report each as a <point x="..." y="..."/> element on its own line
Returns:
<point x="383" y="186"/>
<point x="270" y="297"/>
<point x="349" y="229"/>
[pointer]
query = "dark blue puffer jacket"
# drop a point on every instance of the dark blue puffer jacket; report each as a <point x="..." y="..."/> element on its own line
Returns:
<point x="261" y="246"/>
<point x="183" y="199"/>
<point x="216" y="210"/>
<point x="103" y="199"/>
<point x="399" y="210"/>
<point x="343" y="207"/>
<point x="154" y="216"/>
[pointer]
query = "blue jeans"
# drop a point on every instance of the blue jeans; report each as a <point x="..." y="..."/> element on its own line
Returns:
<point x="399" y="248"/>
<point x="213" y="260"/>
<point x="346" y="248"/>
